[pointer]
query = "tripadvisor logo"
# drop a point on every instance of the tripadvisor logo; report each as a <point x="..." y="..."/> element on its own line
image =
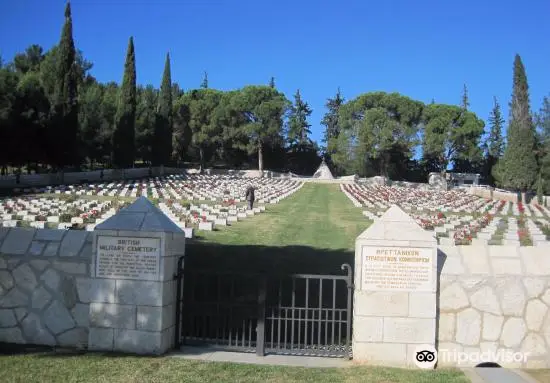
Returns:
<point x="425" y="356"/>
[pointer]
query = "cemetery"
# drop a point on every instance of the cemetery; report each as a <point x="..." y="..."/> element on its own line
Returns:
<point x="200" y="202"/>
<point x="486" y="288"/>
<point x="457" y="217"/>
<point x="170" y="231"/>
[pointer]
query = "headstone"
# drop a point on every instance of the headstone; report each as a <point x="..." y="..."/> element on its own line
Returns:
<point x="395" y="290"/>
<point x="132" y="284"/>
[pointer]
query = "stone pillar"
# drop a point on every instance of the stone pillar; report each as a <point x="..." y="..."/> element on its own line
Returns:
<point x="395" y="283"/>
<point x="132" y="284"/>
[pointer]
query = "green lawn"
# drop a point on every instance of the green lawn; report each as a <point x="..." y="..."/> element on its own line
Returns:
<point x="99" y="368"/>
<point x="318" y="215"/>
<point x="312" y="231"/>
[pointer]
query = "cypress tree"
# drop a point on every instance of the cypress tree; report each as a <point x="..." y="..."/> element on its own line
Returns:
<point x="272" y="82"/>
<point x="163" y="125"/>
<point x="494" y="146"/>
<point x="65" y="98"/>
<point x="124" y="134"/>
<point x="465" y="100"/>
<point x="519" y="167"/>
<point x="204" y="83"/>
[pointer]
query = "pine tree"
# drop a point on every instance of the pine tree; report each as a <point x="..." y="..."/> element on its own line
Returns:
<point x="519" y="168"/>
<point x="272" y="82"/>
<point x="124" y="134"/>
<point x="164" y="121"/>
<point x="299" y="128"/>
<point x="494" y="145"/>
<point x="204" y="83"/>
<point x="465" y="101"/>
<point x="330" y="120"/>
<point x="65" y="98"/>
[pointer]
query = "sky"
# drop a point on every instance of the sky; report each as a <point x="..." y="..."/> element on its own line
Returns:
<point x="423" y="49"/>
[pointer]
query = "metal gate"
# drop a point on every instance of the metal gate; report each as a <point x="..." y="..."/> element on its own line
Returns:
<point x="299" y="314"/>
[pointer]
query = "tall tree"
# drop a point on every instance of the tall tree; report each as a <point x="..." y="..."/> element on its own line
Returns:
<point x="163" y="126"/>
<point x="145" y="122"/>
<point x="204" y="83"/>
<point x="65" y="98"/>
<point x="262" y="108"/>
<point x="124" y="134"/>
<point x="91" y="119"/>
<point x="465" y="100"/>
<point x="206" y="133"/>
<point x="495" y="141"/>
<point x="272" y="82"/>
<point x="451" y="135"/>
<point x="378" y="124"/>
<point x="543" y="125"/>
<point x="330" y="119"/>
<point x="518" y="167"/>
<point x="298" y="126"/>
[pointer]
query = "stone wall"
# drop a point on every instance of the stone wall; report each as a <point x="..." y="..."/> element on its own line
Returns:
<point x="43" y="296"/>
<point x="495" y="298"/>
<point x="30" y="180"/>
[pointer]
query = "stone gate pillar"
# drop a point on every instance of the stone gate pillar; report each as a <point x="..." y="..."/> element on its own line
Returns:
<point x="132" y="282"/>
<point x="395" y="290"/>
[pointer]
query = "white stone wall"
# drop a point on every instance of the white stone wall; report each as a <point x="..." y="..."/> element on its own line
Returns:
<point x="495" y="299"/>
<point x="131" y="315"/>
<point x="43" y="295"/>
<point x="29" y="180"/>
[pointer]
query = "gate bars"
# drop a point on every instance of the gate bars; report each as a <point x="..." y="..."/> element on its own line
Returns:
<point x="298" y="314"/>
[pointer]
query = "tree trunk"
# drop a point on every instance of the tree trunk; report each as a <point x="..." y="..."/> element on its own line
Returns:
<point x="260" y="159"/>
<point x="201" y="157"/>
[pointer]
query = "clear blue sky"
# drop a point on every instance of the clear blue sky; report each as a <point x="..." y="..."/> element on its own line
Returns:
<point x="422" y="49"/>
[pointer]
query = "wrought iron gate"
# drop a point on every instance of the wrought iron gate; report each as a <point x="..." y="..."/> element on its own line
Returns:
<point x="299" y="314"/>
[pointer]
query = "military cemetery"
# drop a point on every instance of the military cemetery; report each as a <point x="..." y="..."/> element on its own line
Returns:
<point x="236" y="233"/>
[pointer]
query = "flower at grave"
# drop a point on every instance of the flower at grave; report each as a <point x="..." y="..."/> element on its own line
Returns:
<point x="521" y="208"/>
<point x="523" y="234"/>
<point x="440" y="215"/>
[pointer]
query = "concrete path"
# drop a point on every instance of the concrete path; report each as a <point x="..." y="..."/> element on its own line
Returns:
<point x="208" y="354"/>
<point x="497" y="375"/>
<point x="476" y="375"/>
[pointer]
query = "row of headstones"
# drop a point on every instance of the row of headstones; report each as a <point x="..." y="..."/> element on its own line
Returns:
<point x="438" y="200"/>
<point x="210" y="188"/>
<point x="30" y="210"/>
<point x="208" y="217"/>
<point x="486" y="234"/>
<point x="479" y="205"/>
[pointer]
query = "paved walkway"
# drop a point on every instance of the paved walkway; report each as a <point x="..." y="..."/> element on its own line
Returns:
<point x="476" y="375"/>
<point x="207" y="354"/>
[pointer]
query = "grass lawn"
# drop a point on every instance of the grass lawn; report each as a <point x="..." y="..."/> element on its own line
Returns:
<point x="318" y="216"/>
<point x="97" y="368"/>
<point x="312" y="231"/>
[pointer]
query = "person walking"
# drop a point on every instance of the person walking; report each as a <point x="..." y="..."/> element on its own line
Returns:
<point x="250" y="197"/>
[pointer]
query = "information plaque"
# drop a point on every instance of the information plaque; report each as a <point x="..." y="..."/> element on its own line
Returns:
<point x="128" y="258"/>
<point x="397" y="269"/>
